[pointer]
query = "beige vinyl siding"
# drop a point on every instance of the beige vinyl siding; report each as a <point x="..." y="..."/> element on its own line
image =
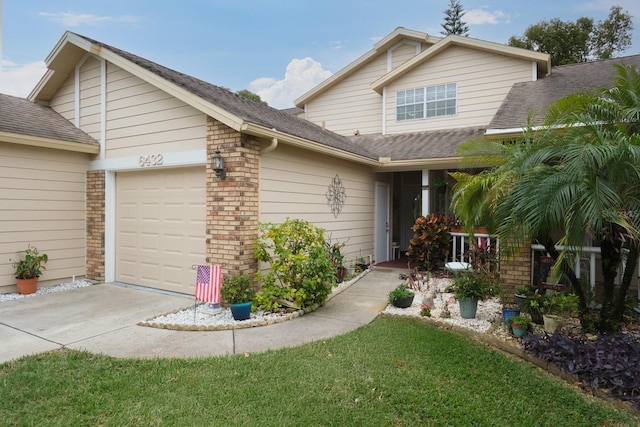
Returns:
<point x="351" y="104"/>
<point x="401" y="54"/>
<point x="64" y="100"/>
<point x="42" y="203"/>
<point x="142" y="119"/>
<point x="483" y="80"/>
<point x="90" y="98"/>
<point x="294" y="184"/>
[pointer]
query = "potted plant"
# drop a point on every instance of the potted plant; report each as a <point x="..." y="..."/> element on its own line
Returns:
<point x="532" y="302"/>
<point x="337" y="259"/>
<point x="238" y="292"/>
<point x="29" y="269"/>
<point x="558" y="309"/>
<point x="401" y="296"/>
<point x="471" y="286"/>
<point x="520" y="325"/>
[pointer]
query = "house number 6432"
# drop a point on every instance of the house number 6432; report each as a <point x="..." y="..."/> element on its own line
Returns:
<point x="151" y="160"/>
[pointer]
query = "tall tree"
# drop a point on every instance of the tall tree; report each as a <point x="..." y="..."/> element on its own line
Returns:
<point x="578" y="180"/>
<point x="613" y="35"/>
<point x="571" y="42"/>
<point x="453" y="23"/>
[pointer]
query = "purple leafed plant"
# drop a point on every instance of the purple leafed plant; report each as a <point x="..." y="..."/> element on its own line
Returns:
<point x="610" y="362"/>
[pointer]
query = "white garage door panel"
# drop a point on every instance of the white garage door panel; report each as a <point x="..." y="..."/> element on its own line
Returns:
<point x="160" y="227"/>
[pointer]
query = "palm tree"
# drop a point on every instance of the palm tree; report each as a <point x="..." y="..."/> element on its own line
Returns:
<point x="578" y="180"/>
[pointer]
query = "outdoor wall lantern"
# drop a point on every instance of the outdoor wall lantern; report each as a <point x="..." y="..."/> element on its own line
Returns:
<point x="217" y="164"/>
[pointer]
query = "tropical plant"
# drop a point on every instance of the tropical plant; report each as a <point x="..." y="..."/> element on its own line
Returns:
<point x="399" y="293"/>
<point x="579" y="180"/>
<point x="334" y="252"/>
<point x="561" y="304"/>
<point x="479" y="284"/>
<point x="237" y="289"/>
<point x="299" y="270"/>
<point x="430" y="245"/>
<point x="31" y="265"/>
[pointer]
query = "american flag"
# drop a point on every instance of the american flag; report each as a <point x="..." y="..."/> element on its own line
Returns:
<point x="208" y="280"/>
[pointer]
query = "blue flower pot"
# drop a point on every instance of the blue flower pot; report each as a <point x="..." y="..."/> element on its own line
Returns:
<point x="508" y="313"/>
<point x="518" y="331"/>
<point x="468" y="308"/>
<point x="241" y="311"/>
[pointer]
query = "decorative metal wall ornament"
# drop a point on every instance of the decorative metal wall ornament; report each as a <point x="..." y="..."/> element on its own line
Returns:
<point x="336" y="196"/>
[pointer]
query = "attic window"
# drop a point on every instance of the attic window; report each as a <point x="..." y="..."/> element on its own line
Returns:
<point x="430" y="101"/>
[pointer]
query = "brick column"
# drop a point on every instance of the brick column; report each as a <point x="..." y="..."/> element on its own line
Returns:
<point x="95" y="224"/>
<point x="516" y="272"/>
<point x="232" y="204"/>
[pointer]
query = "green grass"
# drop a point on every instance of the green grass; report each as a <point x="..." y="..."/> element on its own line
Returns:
<point x="395" y="371"/>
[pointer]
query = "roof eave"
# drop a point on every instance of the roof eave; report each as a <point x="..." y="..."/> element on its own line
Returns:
<point x="57" y="144"/>
<point x="263" y="132"/>
<point x="386" y="165"/>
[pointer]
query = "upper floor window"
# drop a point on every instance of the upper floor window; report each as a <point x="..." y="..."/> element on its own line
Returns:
<point x="430" y="101"/>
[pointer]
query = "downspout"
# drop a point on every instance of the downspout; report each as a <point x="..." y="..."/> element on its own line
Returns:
<point x="271" y="147"/>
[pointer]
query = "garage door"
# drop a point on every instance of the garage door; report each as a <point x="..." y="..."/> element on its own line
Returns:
<point x="160" y="227"/>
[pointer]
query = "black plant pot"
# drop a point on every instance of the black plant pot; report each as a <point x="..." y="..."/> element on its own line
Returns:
<point x="403" y="302"/>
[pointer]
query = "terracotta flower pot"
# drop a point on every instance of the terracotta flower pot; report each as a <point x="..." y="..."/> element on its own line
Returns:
<point x="27" y="286"/>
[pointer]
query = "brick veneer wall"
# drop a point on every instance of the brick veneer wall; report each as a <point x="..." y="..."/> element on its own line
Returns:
<point x="95" y="224"/>
<point x="516" y="272"/>
<point x="232" y="204"/>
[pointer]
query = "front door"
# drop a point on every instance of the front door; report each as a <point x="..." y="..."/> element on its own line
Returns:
<point x="382" y="222"/>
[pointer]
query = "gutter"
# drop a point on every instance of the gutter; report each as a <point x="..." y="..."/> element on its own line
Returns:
<point x="261" y="131"/>
<point x="270" y="147"/>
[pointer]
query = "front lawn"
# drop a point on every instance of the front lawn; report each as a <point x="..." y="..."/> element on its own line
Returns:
<point x="394" y="371"/>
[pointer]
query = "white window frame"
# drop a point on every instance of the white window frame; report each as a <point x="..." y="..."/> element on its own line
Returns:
<point x="427" y="102"/>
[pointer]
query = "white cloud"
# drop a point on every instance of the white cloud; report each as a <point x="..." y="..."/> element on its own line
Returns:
<point x="481" y="17"/>
<point x="19" y="80"/>
<point x="300" y="76"/>
<point x="77" y="19"/>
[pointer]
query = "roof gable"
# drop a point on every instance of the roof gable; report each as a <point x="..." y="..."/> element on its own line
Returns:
<point x="236" y="111"/>
<point x="542" y="60"/>
<point x="395" y="37"/>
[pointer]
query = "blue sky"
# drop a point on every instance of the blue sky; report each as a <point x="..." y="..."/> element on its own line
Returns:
<point x="277" y="48"/>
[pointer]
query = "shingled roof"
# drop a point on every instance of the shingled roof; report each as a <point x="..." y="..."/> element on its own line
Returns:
<point x="23" y="117"/>
<point x="436" y="144"/>
<point x="536" y="96"/>
<point x="243" y="107"/>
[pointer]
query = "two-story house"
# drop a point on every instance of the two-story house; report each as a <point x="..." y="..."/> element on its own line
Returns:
<point x="108" y="165"/>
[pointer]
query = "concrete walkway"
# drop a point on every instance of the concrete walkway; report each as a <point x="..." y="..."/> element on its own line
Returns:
<point x="103" y="319"/>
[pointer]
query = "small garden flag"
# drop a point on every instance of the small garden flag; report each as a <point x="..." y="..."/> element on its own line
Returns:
<point x="208" y="281"/>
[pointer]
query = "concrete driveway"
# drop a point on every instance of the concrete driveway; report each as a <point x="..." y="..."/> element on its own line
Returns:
<point x="103" y="319"/>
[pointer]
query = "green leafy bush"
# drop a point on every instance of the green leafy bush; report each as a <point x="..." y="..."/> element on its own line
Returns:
<point x="480" y="284"/>
<point x="299" y="269"/>
<point x="237" y="289"/>
<point x="430" y="245"/>
<point x="400" y="292"/>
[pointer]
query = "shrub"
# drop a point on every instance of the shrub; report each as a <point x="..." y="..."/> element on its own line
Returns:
<point x="299" y="269"/>
<point x="237" y="289"/>
<point x="430" y="245"/>
<point x="480" y="284"/>
<point x="399" y="293"/>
